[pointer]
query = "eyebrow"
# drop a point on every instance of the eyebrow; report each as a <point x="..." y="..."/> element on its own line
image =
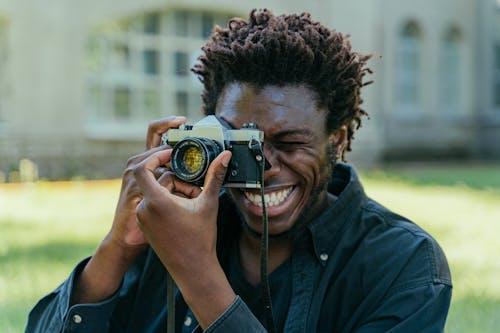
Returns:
<point x="292" y="132"/>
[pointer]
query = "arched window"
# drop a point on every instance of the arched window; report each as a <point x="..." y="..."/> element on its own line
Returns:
<point x="451" y="70"/>
<point x="138" y="69"/>
<point x="408" y="59"/>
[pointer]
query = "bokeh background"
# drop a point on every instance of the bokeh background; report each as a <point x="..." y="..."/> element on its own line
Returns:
<point x="81" y="79"/>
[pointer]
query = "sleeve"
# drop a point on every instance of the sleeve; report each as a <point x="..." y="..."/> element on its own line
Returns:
<point x="53" y="313"/>
<point x="236" y="316"/>
<point x="412" y="308"/>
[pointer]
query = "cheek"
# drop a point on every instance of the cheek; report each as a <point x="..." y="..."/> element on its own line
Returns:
<point x="309" y="164"/>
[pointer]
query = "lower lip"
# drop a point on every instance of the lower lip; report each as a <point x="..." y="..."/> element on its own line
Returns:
<point x="271" y="211"/>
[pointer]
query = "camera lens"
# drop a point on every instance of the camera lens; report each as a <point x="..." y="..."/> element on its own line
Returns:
<point x="191" y="157"/>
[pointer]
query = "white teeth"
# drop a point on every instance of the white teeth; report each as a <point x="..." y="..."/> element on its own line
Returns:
<point x="271" y="199"/>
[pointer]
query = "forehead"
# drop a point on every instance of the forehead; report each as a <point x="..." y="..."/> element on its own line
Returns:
<point x="272" y="108"/>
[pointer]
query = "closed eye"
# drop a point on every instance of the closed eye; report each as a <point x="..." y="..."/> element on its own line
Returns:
<point x="292" y="139"/>
<point x="292" y="143"/>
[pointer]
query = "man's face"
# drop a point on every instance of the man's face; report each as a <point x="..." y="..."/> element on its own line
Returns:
<point x="295" y="143"/>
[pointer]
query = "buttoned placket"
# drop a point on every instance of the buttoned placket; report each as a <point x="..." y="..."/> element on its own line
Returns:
<point x="304" y="269"/>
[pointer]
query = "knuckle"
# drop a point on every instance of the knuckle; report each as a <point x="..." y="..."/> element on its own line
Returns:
<point x="141" y="214"/>
<point x="153" y="124"/>
<point x="138" y="169"/>
<point x="128" y="171"/>
<point x="151" y="207"/>
<point x="129" y="190"/>
<point x="132" y="161"/>
<point x="220" y="177"/>
<point x="131" y="187"/>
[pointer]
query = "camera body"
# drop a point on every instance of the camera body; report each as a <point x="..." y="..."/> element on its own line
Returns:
<point x="196" y="146"/>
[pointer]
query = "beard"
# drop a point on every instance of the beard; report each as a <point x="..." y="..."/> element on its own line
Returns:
<point x="310" y="210"/>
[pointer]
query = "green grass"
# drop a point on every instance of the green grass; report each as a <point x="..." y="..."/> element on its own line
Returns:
<point x="45" y="228"/>
<point x="475" y="176"/>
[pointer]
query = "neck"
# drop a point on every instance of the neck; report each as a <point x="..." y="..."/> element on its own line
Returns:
<point x="279" y="251"/>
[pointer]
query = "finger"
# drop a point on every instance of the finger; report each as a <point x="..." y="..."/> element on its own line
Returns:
<point x="160" y="171"/>
<point x="216" y="174"/>
<point x="158" y="127"/>
<point x="187" y="189"/>
<point x="177" y="186"/>
<point x="141" y="216"/>
<point x="144" y="173"/>
<point x="167" y="181"/>
<point x="181" y="195"/>
<point x="134" y="160"/>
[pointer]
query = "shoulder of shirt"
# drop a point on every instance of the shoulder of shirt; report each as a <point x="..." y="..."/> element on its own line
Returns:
<point x="399" y="239"/>
<point x="391" y="219"/>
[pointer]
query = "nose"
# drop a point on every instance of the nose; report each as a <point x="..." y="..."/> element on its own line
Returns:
<point x="272" y="157"/>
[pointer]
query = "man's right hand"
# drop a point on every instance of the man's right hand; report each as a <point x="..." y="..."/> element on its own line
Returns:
<point x="104" y="272"/>
<point x="124" y="232"/>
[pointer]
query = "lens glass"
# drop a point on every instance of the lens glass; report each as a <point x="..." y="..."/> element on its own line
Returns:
<point x="192" y="160"/>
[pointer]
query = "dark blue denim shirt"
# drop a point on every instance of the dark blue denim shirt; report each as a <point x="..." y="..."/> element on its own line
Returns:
<point x="356" y="268"/>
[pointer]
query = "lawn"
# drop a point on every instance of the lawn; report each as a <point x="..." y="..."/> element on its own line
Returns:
<point x="47" y="227"/>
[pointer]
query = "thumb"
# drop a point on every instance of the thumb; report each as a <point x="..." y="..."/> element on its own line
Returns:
<point x="216" y="174"/>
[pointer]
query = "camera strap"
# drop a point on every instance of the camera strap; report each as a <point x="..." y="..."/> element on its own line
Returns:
<point x="256" y="149"/>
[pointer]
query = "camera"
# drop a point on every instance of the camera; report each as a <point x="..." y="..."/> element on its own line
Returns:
<point x="196" y="146"/>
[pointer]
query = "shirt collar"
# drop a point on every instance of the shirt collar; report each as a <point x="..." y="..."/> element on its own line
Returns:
<point x="327" y="228"/>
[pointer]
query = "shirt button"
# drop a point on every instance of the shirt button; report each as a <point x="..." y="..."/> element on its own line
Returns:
<point x="188" y="321"/>
<point x="77" y="319"/>
<point x="323" y="256"/>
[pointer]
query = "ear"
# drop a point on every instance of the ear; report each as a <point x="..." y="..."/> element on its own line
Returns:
<point x="339" y="136"/>
<point x="338" y="139"/>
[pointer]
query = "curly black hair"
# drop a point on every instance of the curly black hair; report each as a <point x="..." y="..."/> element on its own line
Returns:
<point x="283" y="50"/>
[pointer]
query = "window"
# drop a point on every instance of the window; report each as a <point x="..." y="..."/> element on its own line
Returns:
<point x="138" y="69"/>
<point x="451" y="67"/>
<point x="408" y="59"/>
<point x="496" y="77"/>
<point x="3" y="73"/>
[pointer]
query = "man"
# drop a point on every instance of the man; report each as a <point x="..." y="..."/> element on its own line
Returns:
<point x="338" y="261"/>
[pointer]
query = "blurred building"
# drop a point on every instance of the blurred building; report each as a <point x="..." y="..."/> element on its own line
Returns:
<point x="80" y="80"/>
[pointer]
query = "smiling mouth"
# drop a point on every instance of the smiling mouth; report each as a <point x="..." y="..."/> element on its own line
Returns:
<point x="271" y="199"/>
